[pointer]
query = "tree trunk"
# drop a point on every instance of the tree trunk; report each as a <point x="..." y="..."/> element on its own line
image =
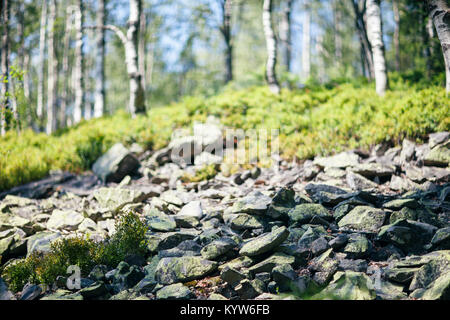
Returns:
<point x="4" y="103"/>
<point x="99" y="105"/>
<point x="396" y="39"/>
<point x="79" y="64"/>
<point x="360" y="24"/>
<point x="306" y="45"/>
<point x="337" y="33"/>
<point x="285" y="34"/>
<point x="375" y="33"/>
<point x="65" y="73"/>
<point x="142" y="46"/>
<point x="52" y="71"/>
<point x="271" y="45"/>
<point x="41" y="68"/>
<point x="225" y="29"/>
<point x="440" y="13"/>
<point x="137" y="95"/>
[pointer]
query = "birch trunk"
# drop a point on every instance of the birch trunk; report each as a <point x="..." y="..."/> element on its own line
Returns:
<point x="142" y="47"/>
<point x="99" y="105"/>
<point x="375" y="33"/>
<point x="52" y="71"/>
<point x="137" y="95"/>
<point x="440" y="13"/>
<point x="396" y="39"/>
<point x="225" y="29"/>
<point x="271" y="45"/>
<point x="285" y="34"/>
<point x="4" y="103"/>
<point x="65" y="73"/>
<point x="306" y="45"/>
<point x="79" y="61"/>
<point x="41" y="72"/>
<point x="337" y="33"/>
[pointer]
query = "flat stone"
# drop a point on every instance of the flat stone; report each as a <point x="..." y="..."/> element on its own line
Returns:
<point x="363" y="218"/>
<point x="69" y="220"/>
<point x="183" y="269"/>
<point x="254" y="203"/>
<point x="265" y="242"/>
<point x="304" y="213"/>
<point x="340" y="160"/>
<point x="176" y="291"/>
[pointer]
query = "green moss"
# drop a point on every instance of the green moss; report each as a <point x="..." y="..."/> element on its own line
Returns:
<point x="129" y="238"/>
<point x="205" y="173"/>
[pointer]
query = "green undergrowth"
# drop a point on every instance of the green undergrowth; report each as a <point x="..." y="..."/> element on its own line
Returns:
<point x="311" y="121"/>
<point x="44" y="268"/>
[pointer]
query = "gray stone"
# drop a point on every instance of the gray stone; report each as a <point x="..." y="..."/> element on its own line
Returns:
<point x="363" y="218"/>
<point x="192" y="209"/>
<point x="176" y="291"/>
<point x="217" y="248"/>
<point x="304" y="213"/>
<point x="254" y="203"/>
<point x="183" y="269"/>
<point x="115" y="164"/>
<point x="30" y="292"/>
<point x="265" y="242"/>
<point x="340" y="160"/>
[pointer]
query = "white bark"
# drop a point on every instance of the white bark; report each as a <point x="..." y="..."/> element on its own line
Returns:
<point x="41" y="73"/>
<point x="440" y="13"/>
<point x="271" y="45"/>
<point x="5" y="15"/>
<point x="375" y="34"/>
<point x="306" y="45"/>
<point x="65" y="72"/>
<point x="52" y="71"/>
<point x="99" y="105"/>
<point x="79" y="61"/>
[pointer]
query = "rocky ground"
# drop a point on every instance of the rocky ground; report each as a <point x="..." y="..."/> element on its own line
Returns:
<point x="355" y="225"/>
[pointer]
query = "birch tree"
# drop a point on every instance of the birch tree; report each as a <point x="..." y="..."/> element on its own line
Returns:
<point x="5" y="14"/>
<point x="65" y="70"/>
<point x="375" y="34"/>
<point x="100" y="61"/>
<point x="396" y="37"/>
<point x="359" y="9"/>
<point x="225" y="29"/>
<point x="79" y="63"/>
<point x="52" y="70"/>
<point x="440" y="13"/>
<point x="306" y="43"/>
<point x="271" y="46"/>
<point x="41" y="67"/>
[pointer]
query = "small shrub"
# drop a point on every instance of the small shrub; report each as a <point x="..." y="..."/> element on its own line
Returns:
<point x="205" y="173"/>
<point x="83" y="252"/>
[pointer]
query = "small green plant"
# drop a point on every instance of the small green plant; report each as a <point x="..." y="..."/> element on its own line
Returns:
<point x="205" y="173"/>
<point x="46" y="267"/>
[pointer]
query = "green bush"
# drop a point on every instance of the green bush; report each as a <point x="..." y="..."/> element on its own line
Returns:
<point x="128" y="239"/>
<point x="317" y="120"/>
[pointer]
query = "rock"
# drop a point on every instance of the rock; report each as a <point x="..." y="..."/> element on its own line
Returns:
<point x="438" y="138"/>
<point x="400" y="203"/>
<point x="268" y="264"/>
<point x="339" y="241"/>
<point x="183" y="269"/>
<point x="410" y="236"/>
<point x="283" y="275"/>
<point x="340" y="160"/>
<point x="358" y="265"/>
<point x="216" y="296"/>
<point x="168" y="240"/>
<point x="127" y="276"/>
<point x="363" y="218"/>
<point x="88" y="225"/>
<point x="319" y="246"/>
<point x="94" y="291"/>
<point x="348" y="285"/>
<point x="254" y="203"/>
<point x="249" y="289"/>
<point x="358" y="182"/>
<point x="69" y="220"/>
<point x="115" y="199"/>
<point x="206" y="158"/>
<point x="441" y="239"/>
<point x="98" y="273"/>
<point x="232" y="276"/>
<point x="5" y="294"/>
<point x="30" y="292"/>
<point x="41" y="241"/>
<point x="218" y="248"/>
<point x="400" y="275"/>
<point x="159" y="221"/>
<point x="183" y="149"/>
<point x="304" y="213"/>
<point x="372" y="170"/>
<point x="62" y="294"/>
<point x="357" y="247"/>
<point x="437" y="290"/>
<point x="404" y="213"/>
<point x="283" y="201"/>
<point x="176" y="291"/>
<point x="438" y="156"/>
<point x="326" y="194"/>
<point x="265" y="242"/>
<point x="115" y="164"/>
<point x="244" y="221"/>
<point x="192" y="209"/>
<point x="408" y="150"/>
